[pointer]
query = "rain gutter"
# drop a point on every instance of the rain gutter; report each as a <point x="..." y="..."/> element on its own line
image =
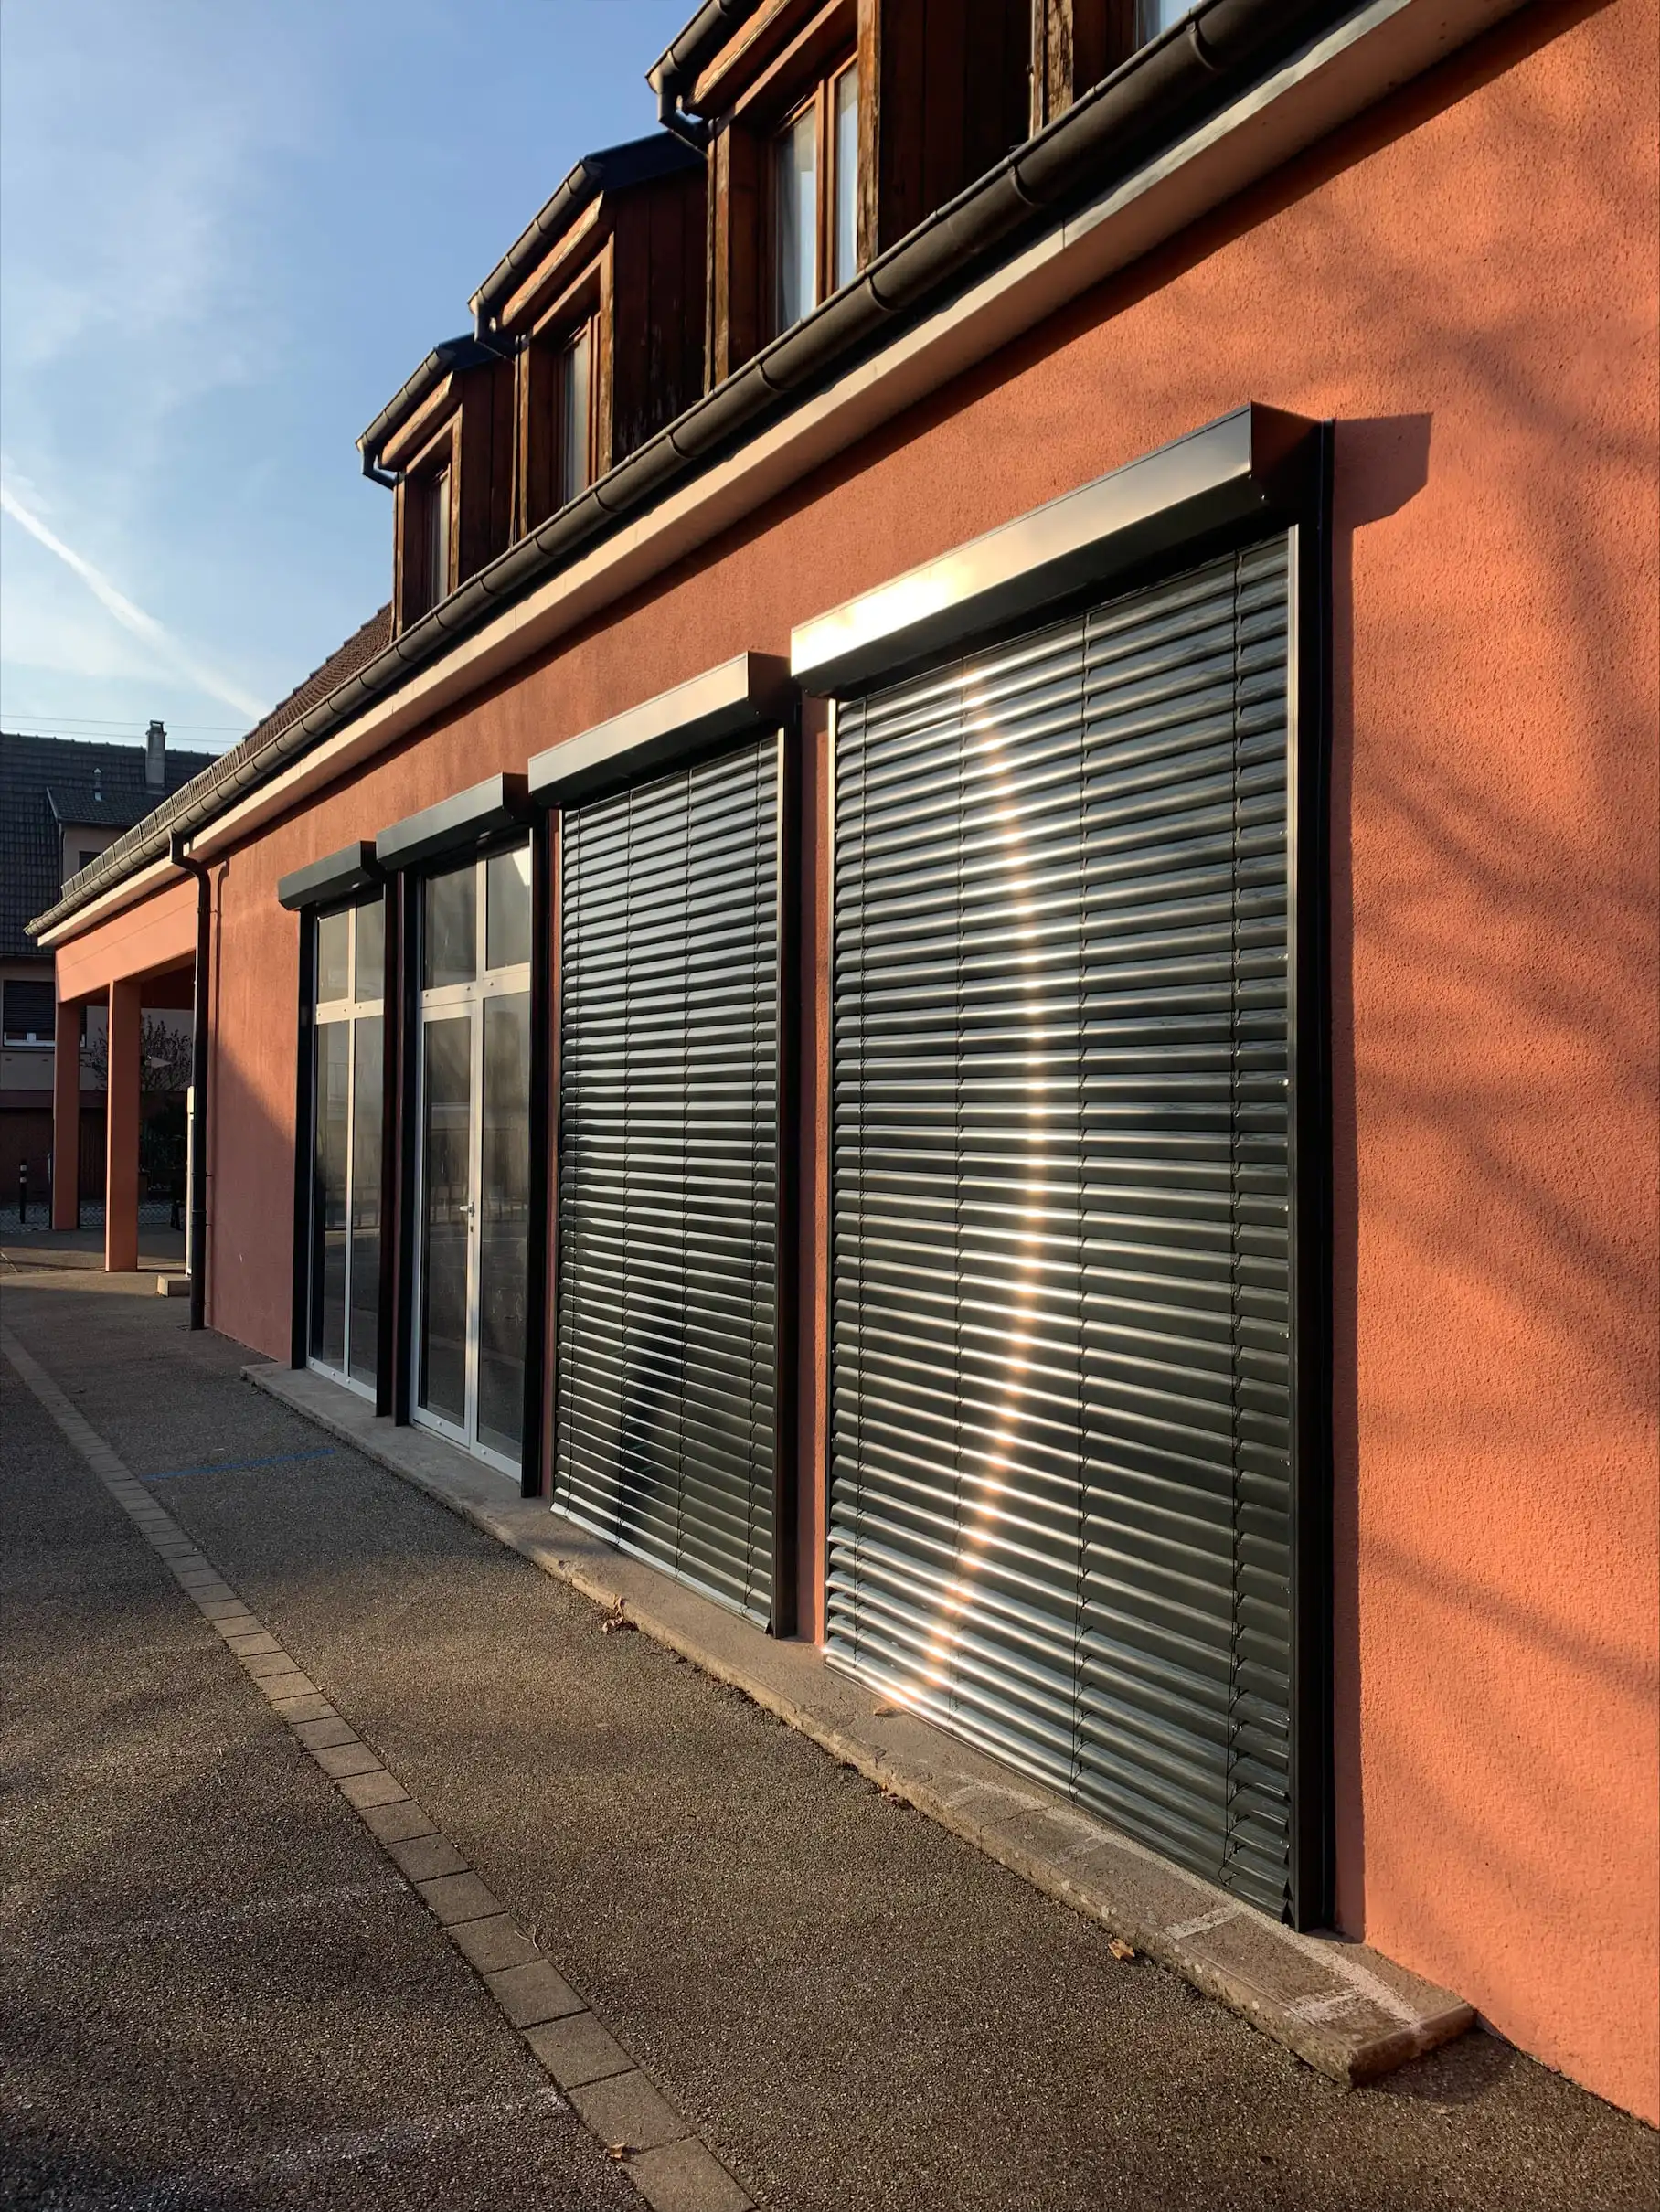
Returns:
<point x="452" y="354"/>
<point x="676" y="68"/>
<point x="1131" y="126"/>
<point x="613" y="169"/>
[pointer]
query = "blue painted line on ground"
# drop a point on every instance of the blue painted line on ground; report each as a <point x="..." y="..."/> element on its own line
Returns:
<point x="277" y="1459"/>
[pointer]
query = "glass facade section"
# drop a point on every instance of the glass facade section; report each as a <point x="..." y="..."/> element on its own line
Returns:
<point x="348" y="1097"/>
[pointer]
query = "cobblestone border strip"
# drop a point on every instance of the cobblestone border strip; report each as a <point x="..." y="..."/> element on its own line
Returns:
<point x="673" y="2169"/>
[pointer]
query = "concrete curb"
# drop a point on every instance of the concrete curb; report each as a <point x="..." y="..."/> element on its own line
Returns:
<point x="1343" y="2008"/>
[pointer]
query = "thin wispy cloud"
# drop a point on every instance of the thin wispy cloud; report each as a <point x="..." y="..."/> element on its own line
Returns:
<point x="132" y="617"/>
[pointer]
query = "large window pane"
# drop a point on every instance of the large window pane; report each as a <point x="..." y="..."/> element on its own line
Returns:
<point x="371" y="949"/>
<point x="365" y="1193"/>
<point x="333" y="966"/>
<point x="446" y="1214"/>
<point x="503" y="1222"/>
<point x="329" y="1223"/>
<point x="795" y="204"/>
<point x="847" y="223"/>
<point x="507" y="907"/>
<point x="451" y="937"/>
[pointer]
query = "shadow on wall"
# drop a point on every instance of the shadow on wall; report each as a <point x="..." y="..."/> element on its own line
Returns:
<point x="1494" y="964"/>
<point x="1380" y="466"/>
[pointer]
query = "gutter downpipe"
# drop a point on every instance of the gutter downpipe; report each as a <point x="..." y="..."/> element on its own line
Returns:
<point x="196" y="1259"/>
<point x="1039" y="174"/>
<point x="678" y="68"/>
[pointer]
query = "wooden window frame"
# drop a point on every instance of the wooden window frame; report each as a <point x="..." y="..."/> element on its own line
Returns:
<point x="585" y="303"/>
<point x="414" y="582"/>
<point x="821" y="100"/>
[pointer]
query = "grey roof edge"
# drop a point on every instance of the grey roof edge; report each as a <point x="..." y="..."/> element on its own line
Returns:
<point x="703" y="36"/>
<point x="337" y="875"/>
<point x="746" y="692"/>
<point x="1176" y="81"/>
<point x="464" y="351"/>
<point x="479" y="812"/>
<point x="637" y="161"/>
<point x="1254" y="461"/>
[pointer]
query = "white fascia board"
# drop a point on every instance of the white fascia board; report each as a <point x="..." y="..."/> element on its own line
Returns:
<point x="1339" y="75"/>
<point x="129" y="892"/>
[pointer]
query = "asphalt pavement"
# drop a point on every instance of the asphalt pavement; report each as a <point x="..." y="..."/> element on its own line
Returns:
<point x="209" y="1963"/>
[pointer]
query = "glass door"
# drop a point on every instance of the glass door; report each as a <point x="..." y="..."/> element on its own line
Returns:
<point x="474" y="1164"/>
<point x="344" y="1266"/>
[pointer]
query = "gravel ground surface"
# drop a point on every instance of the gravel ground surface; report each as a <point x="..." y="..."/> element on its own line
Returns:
<point x="856" y="2009"/>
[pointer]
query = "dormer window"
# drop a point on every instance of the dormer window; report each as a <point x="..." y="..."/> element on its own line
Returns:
<point x="816" y="183"/>
<point x="445" y="445"/>
<point x="573" y="406"/>
<point x="563" y="440"/>
<point x="435" y="495"/>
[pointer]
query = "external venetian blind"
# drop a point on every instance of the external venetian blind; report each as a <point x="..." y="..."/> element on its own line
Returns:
<point x="1061" y="1441"/>
<point x="669" y="1171"/>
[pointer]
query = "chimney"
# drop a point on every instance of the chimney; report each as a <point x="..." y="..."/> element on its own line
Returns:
<point x="155" y="757"/>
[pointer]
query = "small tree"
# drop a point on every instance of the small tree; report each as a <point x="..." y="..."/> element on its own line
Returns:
<point x="164" y="1058"/>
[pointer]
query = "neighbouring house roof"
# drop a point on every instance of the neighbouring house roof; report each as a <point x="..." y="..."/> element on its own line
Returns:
<point x="226" y="772"/>
<point x="47" y="783"/>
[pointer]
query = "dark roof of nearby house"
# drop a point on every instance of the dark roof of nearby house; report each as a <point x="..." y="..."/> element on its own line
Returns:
<point x="224" y="772"/>
<point x="48" y="783"/>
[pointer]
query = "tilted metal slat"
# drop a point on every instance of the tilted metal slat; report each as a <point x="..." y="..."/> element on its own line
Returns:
<point x="669" y="1171"/>
<point x="1059" y="1512"/>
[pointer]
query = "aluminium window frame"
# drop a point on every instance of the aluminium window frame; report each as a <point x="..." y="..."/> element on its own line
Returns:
<point x="439" y="1002"/>
<point x="348" y="1012"/>
<point x="1254" y="474"/>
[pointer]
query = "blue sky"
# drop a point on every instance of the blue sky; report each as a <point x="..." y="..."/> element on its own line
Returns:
<point x="228" y="232"/>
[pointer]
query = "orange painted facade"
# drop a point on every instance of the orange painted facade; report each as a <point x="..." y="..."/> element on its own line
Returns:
<point x="1465" y="281"/>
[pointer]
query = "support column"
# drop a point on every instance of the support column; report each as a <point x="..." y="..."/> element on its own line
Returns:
<point x="66" y="1118"/>
<point x="120" y="1124"/>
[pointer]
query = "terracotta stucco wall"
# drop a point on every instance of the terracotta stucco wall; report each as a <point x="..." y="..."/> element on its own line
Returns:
<point x="1467" y="284"/>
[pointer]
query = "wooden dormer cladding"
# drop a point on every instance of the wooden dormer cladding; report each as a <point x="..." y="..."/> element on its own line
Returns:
<point x="951" y="95"/>
<point x="1075" y="44"/>
<point x="447" y="441"/>
<point x="943" y="91"/>
<point x="602" y="304"/>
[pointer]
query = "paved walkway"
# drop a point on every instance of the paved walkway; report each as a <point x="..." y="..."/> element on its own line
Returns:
<point x="230" y="1994"/>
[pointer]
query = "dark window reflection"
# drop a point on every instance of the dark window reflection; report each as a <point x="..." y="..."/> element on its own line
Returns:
<point x="446" y="1214"/>
<point x="503" y="1224"/>
<point x="365" y="1196"/>
<point x="371" y="949"/>
<point x="329" y="1196"/>
<point x="332" y="963"/>
<point x="451" y="934"/>
<point x="507" y="907"/>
